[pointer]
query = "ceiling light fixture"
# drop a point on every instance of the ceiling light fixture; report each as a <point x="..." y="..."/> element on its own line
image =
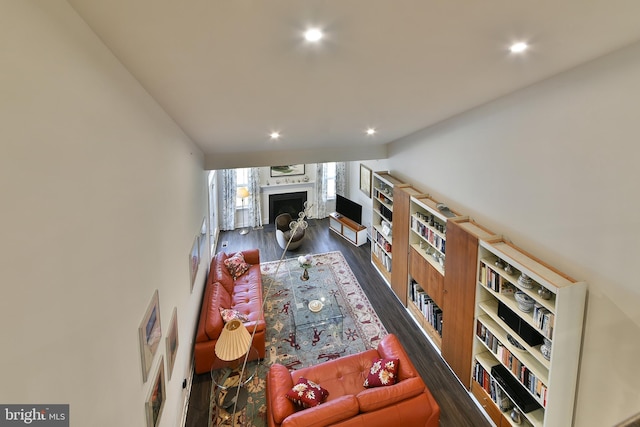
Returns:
<point x="518" y="47"/>
<point x="274" y="135"/>
<point x="371" y="131"/>
<point x="313" y="35"/>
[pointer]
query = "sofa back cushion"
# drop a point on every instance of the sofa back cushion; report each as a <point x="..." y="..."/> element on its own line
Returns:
<point x="218" y="298"/>
<point x="220" y="273"/>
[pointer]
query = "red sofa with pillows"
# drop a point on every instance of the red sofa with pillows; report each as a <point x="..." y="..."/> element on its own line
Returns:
<point x="374" y="388"/>
<point x="235" y="285"/>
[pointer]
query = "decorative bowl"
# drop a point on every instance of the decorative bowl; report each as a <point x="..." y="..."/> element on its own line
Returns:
<point x="525" y="302"/>
<point x="315" y="305"/>
<point x="525" y="281"/>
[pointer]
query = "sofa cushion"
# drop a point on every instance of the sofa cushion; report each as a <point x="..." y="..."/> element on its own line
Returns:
<point x="220" y="273"/>
<point x="213" y="321"/>
<point x="229" y="314"/>
<point x="327" y="414"/>
<point x="372" y="399"/>
<point x="383" y="372"/>
<point x="306" y="393"/>
<point x="236" y="265"/>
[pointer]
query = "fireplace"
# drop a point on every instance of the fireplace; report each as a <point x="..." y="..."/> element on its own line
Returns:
<point x="291" y="203"/>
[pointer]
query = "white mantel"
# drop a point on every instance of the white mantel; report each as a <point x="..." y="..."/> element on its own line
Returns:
<point x="291" y="187"/>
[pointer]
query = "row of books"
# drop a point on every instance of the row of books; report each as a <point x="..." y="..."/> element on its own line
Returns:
<point x="380" y="239"/>
<point x="494" y="281"/>
<point x="430" y="310"/>
<point x="382" y="256"/>
<point x="527" y="378"/>
<point x="543" y="319"/>
<point x="429" y="234"/>
<point x="491" y="386"/>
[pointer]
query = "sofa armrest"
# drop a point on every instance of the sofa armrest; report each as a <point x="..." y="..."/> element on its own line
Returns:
<point x="375" y="398"/>
<point x="279" y="382"/>
<point x="325" y="414"/>
<point x="251" y="256"/>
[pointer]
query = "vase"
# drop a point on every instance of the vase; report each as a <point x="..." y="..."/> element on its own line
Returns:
<point x="305" y="274"/>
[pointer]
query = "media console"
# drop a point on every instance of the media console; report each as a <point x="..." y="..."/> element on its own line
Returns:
<point x="347" y="228"/>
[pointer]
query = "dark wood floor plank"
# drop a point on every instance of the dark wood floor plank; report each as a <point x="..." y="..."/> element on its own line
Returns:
<point x="457" y="407"/>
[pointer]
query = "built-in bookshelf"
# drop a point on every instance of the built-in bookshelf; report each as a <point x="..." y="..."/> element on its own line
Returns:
<point x="528" y="329"/>
<point x="382" y="223"/>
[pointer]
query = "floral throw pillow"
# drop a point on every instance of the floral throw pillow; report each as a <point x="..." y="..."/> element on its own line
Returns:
<point x="236" y="265"/>
<point x="383" y="372"/>
<point x="229" y="314"/>
<point x="306" y="393"/>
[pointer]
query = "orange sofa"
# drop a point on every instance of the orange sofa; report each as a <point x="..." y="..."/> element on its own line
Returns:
<point x="350" y="404"/>
<point x="221" y="291"/>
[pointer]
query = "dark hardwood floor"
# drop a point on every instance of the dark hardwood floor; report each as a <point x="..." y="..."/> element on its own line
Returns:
<point x="457" y="407"/>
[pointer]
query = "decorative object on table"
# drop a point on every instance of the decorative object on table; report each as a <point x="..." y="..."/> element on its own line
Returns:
<point x="172" y="341"/>
<point x="315" y="305"/>
<point x="525" y="302"/>
<point x="287" y="170"/>
<point x="194" y="260"/>
<point x="545" y="348"/>
<point x="149" y="333"/>
<point x="525" y="281"/>
<point x="544" y="293"/>
<point x="509" y="270"/>
<point x="305" y="263"/>
<point x="155" y="400"/>
<point x="365" y="180"/>
<point x="243" y="193"/>
<point x="499" y="263"/>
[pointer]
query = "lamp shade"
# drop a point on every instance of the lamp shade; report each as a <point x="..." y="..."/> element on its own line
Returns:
<point x="234" y="341"/>
<point x="243" y="192"/>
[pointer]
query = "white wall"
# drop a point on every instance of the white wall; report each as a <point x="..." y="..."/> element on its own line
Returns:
<point x="102" y="195"/>
<point x="555" y="168"/>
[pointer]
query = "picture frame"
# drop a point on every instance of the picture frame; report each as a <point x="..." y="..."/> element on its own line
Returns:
<point x="194" y="260"/>
<point x="365" y="180"/>
<point x="155" y="399"/>
<point x="149" y="334"/>
<point x="287" y="170"/>
<point x="172" y="342"/>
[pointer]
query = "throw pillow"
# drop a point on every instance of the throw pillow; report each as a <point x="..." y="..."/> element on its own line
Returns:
<point x="229" y="314"/>
<point x="236" y="265"/>
<point x="383" y="372"/>
<point x="306" y="393"/>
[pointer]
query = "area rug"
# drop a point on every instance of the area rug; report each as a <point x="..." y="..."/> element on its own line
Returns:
<point x="358" y="329"/>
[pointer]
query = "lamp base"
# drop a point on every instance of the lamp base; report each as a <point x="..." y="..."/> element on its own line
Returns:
<point x="244" y="231"/>
<point x="230" y="397"/>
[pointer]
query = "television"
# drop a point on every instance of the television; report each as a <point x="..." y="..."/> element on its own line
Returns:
<point x="349" y="209"/>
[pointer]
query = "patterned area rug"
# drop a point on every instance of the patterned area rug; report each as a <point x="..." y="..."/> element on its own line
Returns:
<point x="295" y="342"/>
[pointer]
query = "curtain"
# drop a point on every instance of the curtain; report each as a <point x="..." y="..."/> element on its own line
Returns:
<point x="342" y="178"/>
<point x="228" y="191"/>
<point x="321" y="190"/>
<point x="255" y="201"/>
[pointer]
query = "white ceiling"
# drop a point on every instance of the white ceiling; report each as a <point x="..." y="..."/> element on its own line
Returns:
<point x="231" y="71"/>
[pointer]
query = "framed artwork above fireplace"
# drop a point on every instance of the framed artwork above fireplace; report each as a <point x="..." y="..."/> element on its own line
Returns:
<point x="286" y="170"/>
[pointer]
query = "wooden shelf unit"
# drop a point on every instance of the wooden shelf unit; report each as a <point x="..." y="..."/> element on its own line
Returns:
<point x="550" y="382"/>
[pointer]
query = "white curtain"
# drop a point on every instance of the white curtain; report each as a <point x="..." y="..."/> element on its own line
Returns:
<point x="321" y="190"/>
<point x="342" y="178"/>
<point x="255" y="201"/>
<point x="228" y="199"/>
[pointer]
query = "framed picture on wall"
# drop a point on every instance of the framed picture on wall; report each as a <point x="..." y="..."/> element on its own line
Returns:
<point x="149" y="334"/>
<point x="287" y="170"/>
<point x="156" y="397"/>
<point x="172" y="341"/>
<point x="365" y="180"/>
<point x="194" y="260"/>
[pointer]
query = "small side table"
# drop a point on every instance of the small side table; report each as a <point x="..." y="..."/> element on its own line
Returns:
<point x="229" y="384"/>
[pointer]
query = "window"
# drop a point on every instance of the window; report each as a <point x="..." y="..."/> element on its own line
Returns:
<point x="330" y="169"/>
<point x="242" y="180"/>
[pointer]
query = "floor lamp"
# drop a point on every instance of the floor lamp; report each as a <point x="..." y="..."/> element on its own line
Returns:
<point x="243" y="193"/>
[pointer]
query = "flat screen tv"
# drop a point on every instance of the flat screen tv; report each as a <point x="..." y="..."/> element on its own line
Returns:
<point x="349" y="208"/>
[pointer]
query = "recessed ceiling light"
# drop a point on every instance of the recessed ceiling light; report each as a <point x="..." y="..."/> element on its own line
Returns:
<point x="371" y="131"/>
<point x="313" y="34"/>
<point x="274" y="135"/>
<point x="518" y="47"/>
